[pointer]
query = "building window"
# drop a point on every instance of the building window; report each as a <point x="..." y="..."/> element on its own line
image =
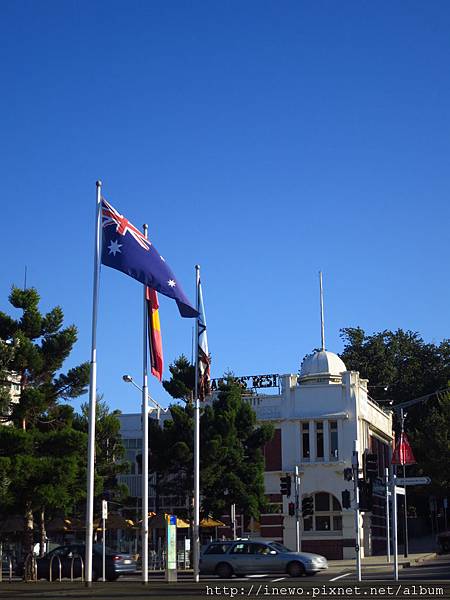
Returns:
<point x="132" y="443"/>
<point x="305" y="441"/>
<point x="327" y="514"/>
<point x="334" y="452"/>
<point x="319" y="439"/>
<point x="131" y="458"/>
<point x="272" y="452"/>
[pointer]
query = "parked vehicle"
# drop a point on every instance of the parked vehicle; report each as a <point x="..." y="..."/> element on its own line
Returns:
<point x="443" y="542"/>
<point x="116" y="563"/>
<point x="244" y="557"/>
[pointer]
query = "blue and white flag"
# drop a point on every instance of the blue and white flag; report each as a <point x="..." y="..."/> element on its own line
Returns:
<point x="126" y="249"/>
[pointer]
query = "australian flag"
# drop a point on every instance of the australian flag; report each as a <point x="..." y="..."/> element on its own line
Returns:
<point x="126" y="249"/>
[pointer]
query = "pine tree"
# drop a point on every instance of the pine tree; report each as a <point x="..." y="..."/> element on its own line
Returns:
<point x="231" y="448"/>
<point x="41" y="454"/>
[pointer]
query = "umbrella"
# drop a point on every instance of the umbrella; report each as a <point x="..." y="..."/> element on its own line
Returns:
<point x="59" y="524"/>
<point x="159" y="522"/>
<point x="115" y="521"/>
<point x="210" y="522"/>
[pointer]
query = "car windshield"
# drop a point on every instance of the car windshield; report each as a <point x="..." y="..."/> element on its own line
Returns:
<point x="279" y="547"/>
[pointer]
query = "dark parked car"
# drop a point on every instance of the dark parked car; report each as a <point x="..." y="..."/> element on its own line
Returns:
<point x="116" y="563"/>
<point x="243" y="557"/>
<point x="443" y="542"/>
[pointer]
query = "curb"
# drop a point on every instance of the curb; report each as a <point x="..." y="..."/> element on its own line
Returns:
<point x="430" y="556"/>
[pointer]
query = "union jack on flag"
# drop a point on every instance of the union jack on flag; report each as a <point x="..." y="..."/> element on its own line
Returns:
<point x="110" y="216"/>
<point x="126" y="249"/>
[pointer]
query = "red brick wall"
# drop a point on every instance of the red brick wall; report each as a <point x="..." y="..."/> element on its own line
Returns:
<point x="331" y="549"/>
<point x="272" y="452"/>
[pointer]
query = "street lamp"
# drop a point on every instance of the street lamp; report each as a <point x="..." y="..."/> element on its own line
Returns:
<point x="156" y="406"/>
<point x="145" y="412"/>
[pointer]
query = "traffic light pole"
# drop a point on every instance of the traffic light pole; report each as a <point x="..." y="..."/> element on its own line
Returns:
<point x="394" y="525"/>
<point x="297" y="509"/>
<point x="405" y="516"/>
<point x="355" y="466"/>
<point x="388" y="524"/>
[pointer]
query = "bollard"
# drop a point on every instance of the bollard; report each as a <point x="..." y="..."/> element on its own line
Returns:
<point x="50" y="567"/>
<point x="71" y="567"/>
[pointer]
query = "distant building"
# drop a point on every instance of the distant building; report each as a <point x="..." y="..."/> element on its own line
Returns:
<point x="11" y="382"/>
<point x="318" y="417"/>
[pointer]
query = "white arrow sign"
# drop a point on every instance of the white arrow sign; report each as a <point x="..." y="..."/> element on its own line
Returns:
<point x="413" y="481"/>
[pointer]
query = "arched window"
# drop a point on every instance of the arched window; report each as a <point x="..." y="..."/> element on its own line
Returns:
<point x="327" y="514"/>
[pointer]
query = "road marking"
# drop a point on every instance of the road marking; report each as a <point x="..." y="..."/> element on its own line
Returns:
<point x="340" y="576"/>
<point x="262" y="575"/>
<point x="279" y="579"/>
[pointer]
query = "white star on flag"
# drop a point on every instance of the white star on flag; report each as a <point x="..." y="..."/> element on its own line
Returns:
<point x="114" y="247"/>
<point x="172" y="283"/>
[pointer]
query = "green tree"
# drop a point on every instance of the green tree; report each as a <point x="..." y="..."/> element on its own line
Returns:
<point x="109" y="452"/>
<point x="398" y="364"/>
<point x="401" y="366"/>
<point x="46" y="457"/>
<point x="231" y="445"/>
<point x="181" y="383"/>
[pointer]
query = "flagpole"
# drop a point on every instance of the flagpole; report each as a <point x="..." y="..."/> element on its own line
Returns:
<point x="196" y="540"/>
<point x="144" y="535"/>
<point x="93" y="396"/>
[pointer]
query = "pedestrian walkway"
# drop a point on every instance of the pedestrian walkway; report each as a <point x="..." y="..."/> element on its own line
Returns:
<point x="381" y="561"/>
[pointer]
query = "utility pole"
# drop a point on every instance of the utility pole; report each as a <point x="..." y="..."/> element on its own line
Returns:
<point x="405" y="516"/>
<point x="388" y="524"/>
<point x="355" y="467"/>
<point x="297" y="509"/>
<point x="394" y="525"/>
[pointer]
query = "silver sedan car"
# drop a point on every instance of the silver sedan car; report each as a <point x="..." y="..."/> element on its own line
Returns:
<point x="245" y="557"/>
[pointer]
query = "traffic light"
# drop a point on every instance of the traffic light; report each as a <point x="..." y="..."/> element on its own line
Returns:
<point x="370" y="466"/>
<point x="346" y="503"/>
<point x="348" y="474"/>
<point x="307" y="506"/>
<point x="285" y="485"/>
<point x="291" y="509"/>
<point x="365" y="495"/>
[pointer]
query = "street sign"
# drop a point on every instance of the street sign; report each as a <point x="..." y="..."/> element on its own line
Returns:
<point x="413" y="480"/>
<point x="104" y="509"/>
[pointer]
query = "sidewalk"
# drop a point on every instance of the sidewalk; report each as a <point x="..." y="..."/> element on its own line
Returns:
<point x="381" y="561"/>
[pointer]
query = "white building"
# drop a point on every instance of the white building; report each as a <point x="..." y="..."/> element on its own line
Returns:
<point x="318" y="416"/>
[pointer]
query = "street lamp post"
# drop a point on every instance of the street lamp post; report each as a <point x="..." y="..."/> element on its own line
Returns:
<point x="156" y="406"/>
<point x="145" y="411"/>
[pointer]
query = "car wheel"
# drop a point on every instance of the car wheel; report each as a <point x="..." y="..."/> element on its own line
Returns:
<point x="295" y="569"/>
<point x="224" y="570"/>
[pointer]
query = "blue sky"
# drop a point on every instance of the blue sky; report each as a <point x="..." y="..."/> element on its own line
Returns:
<point x="262" y="140"/>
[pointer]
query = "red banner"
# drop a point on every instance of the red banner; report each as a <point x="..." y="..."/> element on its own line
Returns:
<point x="403" y="454"/>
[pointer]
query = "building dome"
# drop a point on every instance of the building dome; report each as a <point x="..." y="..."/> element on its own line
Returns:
<point x="321" y="364"/>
